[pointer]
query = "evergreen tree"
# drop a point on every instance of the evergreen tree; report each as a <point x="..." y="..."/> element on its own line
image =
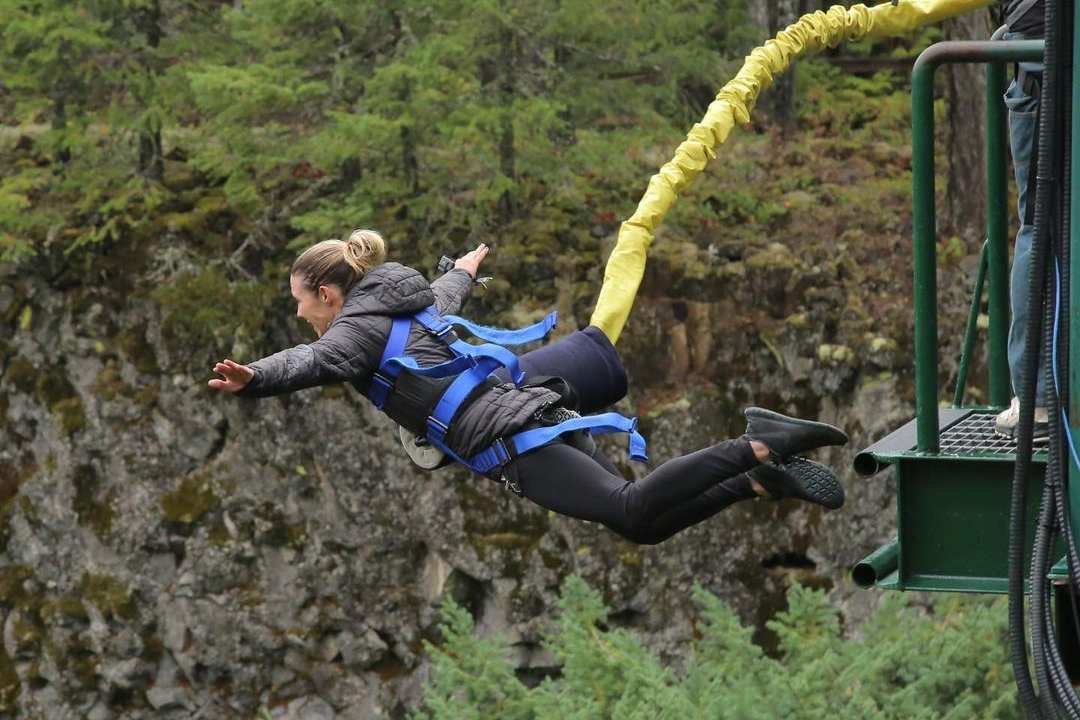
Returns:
<point x="951" y="664"/>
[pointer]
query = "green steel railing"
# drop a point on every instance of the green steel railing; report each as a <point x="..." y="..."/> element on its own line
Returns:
<point x="969" y="332"/>
<point x="924" y="220"/>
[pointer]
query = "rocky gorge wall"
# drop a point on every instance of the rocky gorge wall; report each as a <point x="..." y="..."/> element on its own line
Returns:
<point x="170" y="553"/>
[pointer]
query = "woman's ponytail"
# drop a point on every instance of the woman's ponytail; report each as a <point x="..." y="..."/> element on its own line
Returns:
<point x="340" y="262"/>
<point x="364" y="250"/>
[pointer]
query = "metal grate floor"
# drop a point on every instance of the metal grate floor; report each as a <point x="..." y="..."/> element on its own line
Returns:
<point x="975" y="435"/>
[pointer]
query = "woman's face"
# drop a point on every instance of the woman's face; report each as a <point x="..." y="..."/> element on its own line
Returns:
<point x="318" y="308"/>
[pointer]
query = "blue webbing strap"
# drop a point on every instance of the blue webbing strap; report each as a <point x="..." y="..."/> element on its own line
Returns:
<point x="473" y="365"/>
<point x="523" y="442"/>
<point x="532" y="333"/>
<point x="455" y="395"/>
<point x="383" y="379"/>
<point x="468" y="356"/>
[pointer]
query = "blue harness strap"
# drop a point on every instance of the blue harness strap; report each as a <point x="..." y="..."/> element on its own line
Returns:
<point x="604" y="423"/>
<point x="383" y="380"/>
<point x="472" y="365"/>
<point x="532" y="333"/>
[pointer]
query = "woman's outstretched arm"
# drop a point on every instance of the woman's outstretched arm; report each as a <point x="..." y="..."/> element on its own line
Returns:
<point x="347" y="351"/>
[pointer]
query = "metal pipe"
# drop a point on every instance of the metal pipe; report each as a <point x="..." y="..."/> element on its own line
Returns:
<point x="878" y="565"/>
<point x="923" y="211"/>
<point x="969" y="331"/>
<point x="997" y="224"/>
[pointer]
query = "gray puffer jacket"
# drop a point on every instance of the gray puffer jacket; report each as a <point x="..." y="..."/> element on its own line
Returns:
<point x="350" y="350"/>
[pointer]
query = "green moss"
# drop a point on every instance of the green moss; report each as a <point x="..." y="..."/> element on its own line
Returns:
<point x="94" y="513"/>
<point x="207" y="310"/>
<point x="29" y="512"/>
<point x="5" y="523"/>
<point x="52" y="386"/>
<point x="147" y="395"/>
<point x="70" y="415"/>
<point x="110" y="383"/>
<point x="138" y="351"/>
<point x="13" y="592"/>
<point x="26" y="634"/>
<point x="111" y="596"/>
<point x="191" y="500"/>
<point x="334" y="392"/>
<point x="3" y="406"/>
<point x="10" y="688"/>
<point x="21" y="374"/>
<point x="63" y="607"/>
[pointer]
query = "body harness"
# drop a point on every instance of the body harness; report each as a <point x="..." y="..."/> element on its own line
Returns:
<point x="471" y="366"/>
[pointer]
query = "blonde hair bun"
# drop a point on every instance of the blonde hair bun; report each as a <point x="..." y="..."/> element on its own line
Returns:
<point x="340" y="262"/>
<point x="364" y="250"/>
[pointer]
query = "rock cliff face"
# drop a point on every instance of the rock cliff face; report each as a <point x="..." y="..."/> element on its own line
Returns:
<point x="169" y="553"/>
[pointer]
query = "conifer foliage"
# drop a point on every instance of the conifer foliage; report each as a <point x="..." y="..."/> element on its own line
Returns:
<point x="905" y="663"/>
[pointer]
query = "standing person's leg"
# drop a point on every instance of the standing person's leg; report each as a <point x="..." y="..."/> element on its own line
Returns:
<point x="1023" y="117"/>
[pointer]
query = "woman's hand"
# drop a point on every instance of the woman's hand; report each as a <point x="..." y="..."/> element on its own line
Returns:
<point x="470" y="263"/>
<point x="236" y="376"/>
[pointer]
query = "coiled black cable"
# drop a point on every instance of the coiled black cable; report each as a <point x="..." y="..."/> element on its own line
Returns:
<point x="1029" y="369"/>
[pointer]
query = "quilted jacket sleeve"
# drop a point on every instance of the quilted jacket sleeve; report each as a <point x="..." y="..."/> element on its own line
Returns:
<point x="451" y="290"/>
<point x="349" y="350"/>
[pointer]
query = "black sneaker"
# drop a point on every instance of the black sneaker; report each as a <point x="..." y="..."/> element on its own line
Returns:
<point x="800" y="478"/>
<point x="787" y="436"/>
<point x="1007" y="421"/>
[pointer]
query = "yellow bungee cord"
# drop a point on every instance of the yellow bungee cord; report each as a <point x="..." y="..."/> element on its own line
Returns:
<point x="810" y="34"/>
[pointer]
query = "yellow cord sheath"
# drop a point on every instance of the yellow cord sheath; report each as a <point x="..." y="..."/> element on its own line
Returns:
<point x="810" y="34"/>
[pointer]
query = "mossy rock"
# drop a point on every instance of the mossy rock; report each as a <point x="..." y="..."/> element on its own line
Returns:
<point x="22" y="375"/>
<point x="138" y="351"/>
<point x="112" y="597"/>
<point x="70" y="415"/>
<point x="10" y="687"/>
<point x="6" y="509"/>
<point x="191" y="500"/>
<point x="65" y="607"/>
<point x="52" y="386"/>
<point x="93" y="512"/>
<point x="13" y="592"/>
<point x="776" y="256"/>
<point x="208" y="311"/>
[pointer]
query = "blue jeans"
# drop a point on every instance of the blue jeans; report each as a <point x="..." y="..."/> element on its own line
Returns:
<point x="1022" y="117"/>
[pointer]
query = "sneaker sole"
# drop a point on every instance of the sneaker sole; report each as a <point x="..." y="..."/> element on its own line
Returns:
<point x="1011" y="436"/>
<point x="814" y="483"/>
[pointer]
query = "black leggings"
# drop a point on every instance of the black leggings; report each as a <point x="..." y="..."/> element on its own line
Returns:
<point x="680" y="493"/>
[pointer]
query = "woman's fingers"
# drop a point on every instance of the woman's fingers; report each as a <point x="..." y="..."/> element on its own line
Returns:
<point x="235" y="375"/>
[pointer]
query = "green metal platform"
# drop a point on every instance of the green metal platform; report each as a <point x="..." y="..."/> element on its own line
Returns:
<point x="952" y="509"/>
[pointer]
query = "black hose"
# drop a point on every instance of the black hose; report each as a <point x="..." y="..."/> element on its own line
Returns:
<point x="1065" y="522"/>
<point x="1029" y="371"/>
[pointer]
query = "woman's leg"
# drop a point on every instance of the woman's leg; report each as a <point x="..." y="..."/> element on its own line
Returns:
<point x="566" y="480"/>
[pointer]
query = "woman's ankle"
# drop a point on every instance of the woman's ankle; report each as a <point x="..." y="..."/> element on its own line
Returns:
<point x="761" y="450"/>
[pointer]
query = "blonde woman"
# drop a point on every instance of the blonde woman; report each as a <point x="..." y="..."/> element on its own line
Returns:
<point x="351" y="297"/>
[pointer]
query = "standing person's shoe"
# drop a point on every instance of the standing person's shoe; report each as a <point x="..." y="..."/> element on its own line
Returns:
<point x="1007" y="421"/>
<point x="800" y="478"/>
<point x="787" y="436"/>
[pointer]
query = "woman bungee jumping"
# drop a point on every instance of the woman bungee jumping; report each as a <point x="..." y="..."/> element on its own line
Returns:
<point x="383" y="328"/>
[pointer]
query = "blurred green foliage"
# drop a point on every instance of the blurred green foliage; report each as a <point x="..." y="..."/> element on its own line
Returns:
<point x="949" y="663"/>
